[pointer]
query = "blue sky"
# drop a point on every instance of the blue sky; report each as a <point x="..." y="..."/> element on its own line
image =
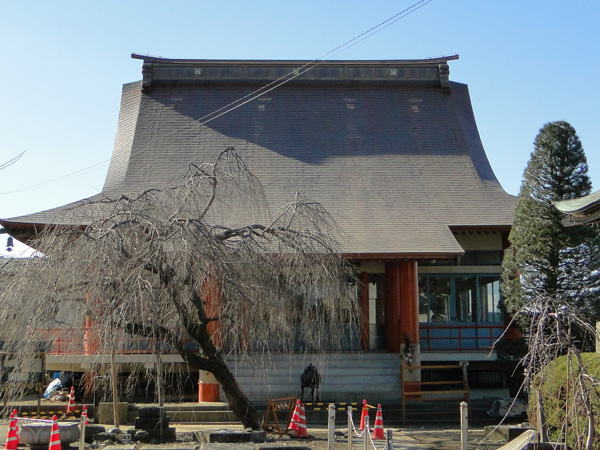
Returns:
<point x="64" y="63"/>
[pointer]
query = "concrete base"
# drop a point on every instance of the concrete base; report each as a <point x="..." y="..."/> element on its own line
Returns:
<point x="92" y="430"/>
<point x="37" y="435"/>
<point x="154" y="436"/>
<point x="504" y="432"/>
<point x="522" y="442"/>
<point x="106" y="412"/>
<point x="229" y="436"/>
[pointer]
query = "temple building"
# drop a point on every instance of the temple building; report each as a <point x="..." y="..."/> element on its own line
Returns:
<point x="390" y="149"/>
<point x="582" y="210"/>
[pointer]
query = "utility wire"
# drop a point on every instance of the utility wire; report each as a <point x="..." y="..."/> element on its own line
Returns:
<point x="10" y="162"/>
<point x="301" y="70"/>
<point x="255" y="94"/>
<point x="43" y="183"/>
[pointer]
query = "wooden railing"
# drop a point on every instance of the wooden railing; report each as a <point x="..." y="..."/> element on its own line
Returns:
<point x="79" y="342"/>
<point x="440" y="389"/>
<point x="433" y="338"/>
<point x="458" y="337"/>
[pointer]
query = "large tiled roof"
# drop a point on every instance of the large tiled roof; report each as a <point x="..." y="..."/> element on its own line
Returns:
<point x="390" y="148"/>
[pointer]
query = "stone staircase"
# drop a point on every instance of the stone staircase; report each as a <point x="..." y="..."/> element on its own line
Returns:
<point x="345" y="377"/>
<point x="418" y="414"/>
<point x="207" y="412"/>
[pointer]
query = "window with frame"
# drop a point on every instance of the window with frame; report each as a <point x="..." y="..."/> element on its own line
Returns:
<point x="462" y="298"/>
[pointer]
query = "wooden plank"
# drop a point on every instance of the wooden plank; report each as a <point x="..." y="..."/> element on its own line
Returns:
<point x="431" y="383"/>
<point x="416" y="393"/>
<point x="432" y="395"/>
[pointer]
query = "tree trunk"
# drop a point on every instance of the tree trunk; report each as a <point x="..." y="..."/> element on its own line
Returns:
<point x="115" y="384"/>
<point x="213" y="362"/>
<point x="238" y="401"/>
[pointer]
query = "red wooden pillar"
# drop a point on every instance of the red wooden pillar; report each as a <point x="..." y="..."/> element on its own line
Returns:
<point x="402" y="304"/>
<point x="392" y="307"/>
<point x="91" y="339"/>
<point x="208" y="387"/>
<point x="363" y="298"/>
<point x="409" y="304"/>
<point x="211" y="294"/>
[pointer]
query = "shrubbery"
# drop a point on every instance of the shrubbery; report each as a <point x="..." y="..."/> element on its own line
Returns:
<point x="564" y="406"/>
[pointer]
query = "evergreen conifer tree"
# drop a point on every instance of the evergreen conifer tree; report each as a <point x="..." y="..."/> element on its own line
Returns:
<point x="579" y="278"/>
<point x="548" y="259"/>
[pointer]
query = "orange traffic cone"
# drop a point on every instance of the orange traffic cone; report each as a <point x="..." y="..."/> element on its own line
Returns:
<point x="54" y="436"/>
<point x="84" y="416"/>
<point x="295" y="417"/>
<point x="302" y="431"/>
<point x="365" y="413"/>
<point x="12" y="440"/>
<point x="378" y="430"/>
<point x="71" y="405"/>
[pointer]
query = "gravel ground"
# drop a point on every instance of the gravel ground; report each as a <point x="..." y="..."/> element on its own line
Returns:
<point x="402" y="438"/>
<point x="405" y="438"/>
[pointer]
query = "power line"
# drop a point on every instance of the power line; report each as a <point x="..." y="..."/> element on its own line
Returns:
<point x="301" y="70"/>
<point x="255" y="94"/>
<point x="43" y="183"/>
<point x="10" y="162"/>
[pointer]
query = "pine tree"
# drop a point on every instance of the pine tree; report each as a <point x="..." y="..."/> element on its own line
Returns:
<point x="579" y="278"/>
<point x="544" y="253"/>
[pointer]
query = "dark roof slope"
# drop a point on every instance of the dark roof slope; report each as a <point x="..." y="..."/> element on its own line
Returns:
<point x="390" y="148"/>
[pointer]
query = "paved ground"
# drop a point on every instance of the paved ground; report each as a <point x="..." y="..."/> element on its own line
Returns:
<point x="403" y="439"/>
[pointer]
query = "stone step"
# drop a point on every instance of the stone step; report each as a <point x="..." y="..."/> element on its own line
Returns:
<point x="214" y="412"/>
<point x="343" y="376"/>
<point x="191" y="416"/>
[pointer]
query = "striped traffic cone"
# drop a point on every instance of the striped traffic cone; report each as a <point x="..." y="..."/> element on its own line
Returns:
<point x="295" y="417"/>
<point x="71" y="405"/>
<point x="378" y="430"/>
<point x="54" y="436"/>
<point x="12" y="440"/>
<point x="302" y="431"/>
<point x="365" y="413"/>
<point x="84" y="416"/>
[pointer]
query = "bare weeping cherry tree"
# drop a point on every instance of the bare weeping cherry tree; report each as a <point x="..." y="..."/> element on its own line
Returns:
<point x="202" y="262"/>
<point x="566" y="408"/>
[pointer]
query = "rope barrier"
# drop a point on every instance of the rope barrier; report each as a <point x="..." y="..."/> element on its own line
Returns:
<point x="364" y="433"/>
<point x="371" y="441"/>
<point x="355" y="433"/>
<point x="352" y="432"/>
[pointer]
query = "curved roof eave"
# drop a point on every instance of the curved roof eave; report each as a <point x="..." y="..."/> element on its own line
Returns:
<point x="579" y="206"/>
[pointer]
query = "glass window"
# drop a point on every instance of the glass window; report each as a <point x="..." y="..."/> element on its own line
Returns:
<point x="439" y="299"/>
<point x="489" y="298"/>
<point x="377" y="312"/>
<point x="423" y="300"/>
<point x="465" y="298"/>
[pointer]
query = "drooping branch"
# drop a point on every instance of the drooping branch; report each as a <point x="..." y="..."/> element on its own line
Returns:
<point x="204" y="255"/>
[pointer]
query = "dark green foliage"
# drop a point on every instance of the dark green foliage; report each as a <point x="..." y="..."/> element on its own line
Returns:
<point x="556" y="171"/>
<point x="510" y="349"/>
<point x="579" y="282"/>
<point x="558" y="385"/>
